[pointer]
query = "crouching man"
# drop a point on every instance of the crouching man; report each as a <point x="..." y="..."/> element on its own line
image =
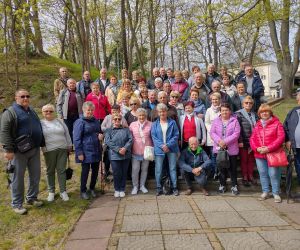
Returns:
<point x="194" y="164"/>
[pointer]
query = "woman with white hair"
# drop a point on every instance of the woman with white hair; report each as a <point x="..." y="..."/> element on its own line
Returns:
<point x="57" y="145"/>
<point x="141" y="134"/>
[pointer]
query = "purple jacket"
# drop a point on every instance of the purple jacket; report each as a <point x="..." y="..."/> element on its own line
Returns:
<point x="231" y="137"/>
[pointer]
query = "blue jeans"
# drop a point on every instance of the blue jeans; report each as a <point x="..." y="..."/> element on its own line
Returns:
<point x="297" y="164"/>
<point x="120" y="173"/>
<point x="159" y="159"/>
<point x="267" y="175"/>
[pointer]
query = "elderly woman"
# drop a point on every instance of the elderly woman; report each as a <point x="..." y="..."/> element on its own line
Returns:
<point x="132" y="116"/>
<point x="141" y="133"/>
<point x="158" y="83"/>
<point x="119" y="141"/>
<point x="174" y="98"/>
<point x="167" y="87"/>
<point x="165" y="135"/>
<point x="199" y="105"/>
<point x="247" y="120"/>
<point x="180" y="85"/>
<point x="125" y="88"/>
<point x="143" y="95"/>
<point x="57" y="144"/>
<point x="87" y="138"/>
<point x="112" y="90"/>
<point x="227" y="87"/>
<point x="102" y="106"/>
<point x="225" y="132"/>
<point x="191" y="126"/>
<point x="211" y="114"/>
<point x="267" y="136"/>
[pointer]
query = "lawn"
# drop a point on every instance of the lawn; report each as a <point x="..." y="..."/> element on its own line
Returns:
<point x="283" y="108"/>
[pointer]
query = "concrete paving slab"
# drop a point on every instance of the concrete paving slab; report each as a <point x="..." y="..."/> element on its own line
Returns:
<point x="100" y="213"/>
<point x="262" y="218"/>
<point x="133" y="223"/>
<point x="187" y="242"/>
<point x="246" y="204"/>
<point x="214" y="206"/>
<point x="90" y="244"/>
<point x="174" y="206"/>
<point x="148" y="242"/>
<point x="283" y="239"/>
<point x="224" y="219"/>
<point x="142" y="207"/>
<point x="245" y="240"/>
<point x="179" y="221"/>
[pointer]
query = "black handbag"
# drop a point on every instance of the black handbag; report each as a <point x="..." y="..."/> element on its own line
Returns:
<point x="223" y="159"/>
<point x="69" y="170"/>
<point x="24" y="143"/>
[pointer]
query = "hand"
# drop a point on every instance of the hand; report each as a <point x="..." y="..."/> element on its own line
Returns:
<point x="70" y="149"/>
<point x="288" y="145"/>
<point x="9" y="156"/>
<point x="122" y="151"/>
<point x="241" y="145"/>
<point x="165" y="148"/>
<point x="100" y="137"/>
<point x="200" y="115"/>
<point x="81" y="157"/>
<point x="222" y="144"/>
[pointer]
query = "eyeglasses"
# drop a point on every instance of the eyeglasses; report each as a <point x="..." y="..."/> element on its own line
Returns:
<point x="133" y="104"/>
<point x="174" y="96"/>
<point x="48" y="111"/>
<point x="117" y="119"/>
<point x="248" y="102"/>
<point x="24" y="96"/>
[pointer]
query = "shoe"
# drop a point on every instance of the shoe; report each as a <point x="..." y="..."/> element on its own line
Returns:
<point x="50" y="197"/>
<point x="159" y="192"/>
<point x="85" y="196"/>
<point x="246" y="183"/>
<point x="189" y="191"/>
<point x="175" y="192"/>
<point x="35" y="203"/>
<point x="277" y="198"/>
<point x="253" y="181"/>
<point x="234" y="190"/>
<point x="222" y="189"/>
<point x="64" y="196"/>
<point x="216" y="177"/>
<point x="134" y="191"/>
<point x="263" y="196"/>
<point x="205" y="192"/>
<point x="20" y="210"/>
<point x="117" y="194"/>
<point x="122" y="194"/>
<point x="144" y="190"/>
<point x="93" y="193"/>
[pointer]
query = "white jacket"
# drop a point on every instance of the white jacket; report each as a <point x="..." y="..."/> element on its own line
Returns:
<point x="210" y="115"/>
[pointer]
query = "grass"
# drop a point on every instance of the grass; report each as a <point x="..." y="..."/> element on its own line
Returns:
<point x="283" y="108"/>
<point x="42" y="228"/>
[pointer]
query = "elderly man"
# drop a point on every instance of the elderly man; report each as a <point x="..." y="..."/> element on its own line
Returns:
<point x="216" y="87"/>
<point x="191" y="81"/>
<point x="238" y="97"/>
<point x="150" y="82"/>
<point x="254" y="86"/>
<point x="292" y="132"/>
<point x="163" y="74"/>
<point x="194" y="164"/>
<point x="103" y="81"/>
<point x="241" y="73"/>
<point x="151" y="103"/>
<point x="21" y="136"/>
<point x="61" y="82"/>
<point x="202" y="88"/>
<point x="69" y="105"/>
<point x="84" y="86"/>
<point x="170" y="75"/>
<point x="210" y="75"/>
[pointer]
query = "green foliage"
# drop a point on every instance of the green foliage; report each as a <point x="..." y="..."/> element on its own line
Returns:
<point x="283" y="108"/>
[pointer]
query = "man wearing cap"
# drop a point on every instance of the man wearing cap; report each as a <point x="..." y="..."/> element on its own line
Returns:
<point x="194" y="164"/>
<point x="292" y="133"/>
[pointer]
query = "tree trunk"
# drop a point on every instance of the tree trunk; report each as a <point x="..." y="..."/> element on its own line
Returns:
<point x="63" y="40"/>
<point x="123" y="34"/>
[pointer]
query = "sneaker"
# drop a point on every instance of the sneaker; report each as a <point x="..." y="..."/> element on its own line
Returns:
<point x="277" y="198"/>
<point x="122" y="194"/>
<point x="222" y="189"/>
<point x="263" y="196"/>
<point x="93" y="193"/>
<point x="64" y="196"/>
<point x="50" y="197"/>
<point x="20" y="210"/>
<point x="134" y="191"/>
<point x="117" y="194"/>
<point x="85" y="196"/>
<point x="245" y="183"/>
<point x="35" y="203"/>
<point x="144" y="190"/>
<point x="234" y="190"/>
<point x="159" y="192"/>
<point x="189" y="191"/>
<point x="175" y="192"/>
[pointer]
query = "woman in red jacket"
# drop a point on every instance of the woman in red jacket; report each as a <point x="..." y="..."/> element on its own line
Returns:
<point x="102" y="106"/>
<point x="267" y="136"/>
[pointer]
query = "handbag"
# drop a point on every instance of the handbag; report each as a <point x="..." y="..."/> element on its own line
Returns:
<point x="69" y="170"/>
<point x="24" y="143"/>
<point x="223" y="159"/>
<point x="149" y="153"/>
<point x="277" y="158"/>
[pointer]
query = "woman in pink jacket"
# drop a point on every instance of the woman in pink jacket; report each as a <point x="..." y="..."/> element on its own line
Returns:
<point x="141" y="134"/>
<point x="225" y="132"/>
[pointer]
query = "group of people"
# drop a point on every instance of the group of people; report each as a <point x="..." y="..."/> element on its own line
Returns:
<point x="182" y="122"/>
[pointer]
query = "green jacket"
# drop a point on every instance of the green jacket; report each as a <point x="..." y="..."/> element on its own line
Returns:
<point x="8" y="129"/>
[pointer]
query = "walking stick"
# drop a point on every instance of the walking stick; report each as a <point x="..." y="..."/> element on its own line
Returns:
<point x="102" y="182"/>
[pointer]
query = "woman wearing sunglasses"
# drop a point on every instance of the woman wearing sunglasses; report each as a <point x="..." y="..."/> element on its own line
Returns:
<point x="119" y="141"/>
<point x="132" y="116"/>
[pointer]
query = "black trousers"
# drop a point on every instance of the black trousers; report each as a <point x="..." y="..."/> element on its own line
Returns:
<point x="85" y="174"/>
<point x="232" y="170"/>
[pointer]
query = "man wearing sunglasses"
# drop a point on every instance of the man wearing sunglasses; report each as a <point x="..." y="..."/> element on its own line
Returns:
<point x="21" y="136"/>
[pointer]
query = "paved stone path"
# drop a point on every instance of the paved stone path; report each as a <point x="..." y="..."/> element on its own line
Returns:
<point x="187" y="222"/>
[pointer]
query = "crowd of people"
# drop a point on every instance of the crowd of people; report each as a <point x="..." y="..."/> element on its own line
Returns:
<point x="176" y="123"/>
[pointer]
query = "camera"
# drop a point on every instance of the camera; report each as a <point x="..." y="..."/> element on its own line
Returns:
<point x="10" y="168"/>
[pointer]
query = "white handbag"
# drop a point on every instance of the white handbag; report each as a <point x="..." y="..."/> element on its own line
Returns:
<point x="149" y="153"/>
